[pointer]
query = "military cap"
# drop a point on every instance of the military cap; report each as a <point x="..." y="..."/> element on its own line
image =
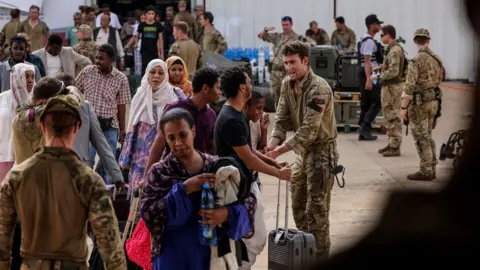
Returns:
<point x="182" y="3"/>
<point x="84" y="28"/>
<point x="62" y="104"/>
<point x="199" y="7"/>
<point x="422" y="32"/>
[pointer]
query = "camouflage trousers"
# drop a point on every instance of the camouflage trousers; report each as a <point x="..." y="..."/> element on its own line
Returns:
<point x="311" y="186"/>
<point x="52" y="265"/>
<point x="276" y="78"/>
<point x="421" y="119"/>
<point x="391" y="105"/>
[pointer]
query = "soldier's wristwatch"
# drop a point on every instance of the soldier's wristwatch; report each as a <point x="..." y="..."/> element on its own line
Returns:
<point x="404" y="108"/>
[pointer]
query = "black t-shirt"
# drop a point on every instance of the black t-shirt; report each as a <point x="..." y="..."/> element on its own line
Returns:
<point x="231" y="130"/>
<point x="150" y="33"/>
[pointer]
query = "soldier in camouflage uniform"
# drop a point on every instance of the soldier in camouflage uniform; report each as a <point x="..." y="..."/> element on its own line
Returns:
<point x="26" y="129"/>
<point x="392" y="78"/>
<point x="306" y="102"/>
<point x="213" y="40"/>
<point x="54" y="211"/>
<point x="343" y="36"/>
<point x="86" y="46"/>
<point x="420" y="103"/>
<point x="185" y="16"/>
<point x="185" y="48"/>
<point x="199" y="11"/>
<point x="277" y="69"/>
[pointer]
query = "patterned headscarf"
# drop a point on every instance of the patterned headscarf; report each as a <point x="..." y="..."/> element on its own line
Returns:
<point x="18" y="83"/>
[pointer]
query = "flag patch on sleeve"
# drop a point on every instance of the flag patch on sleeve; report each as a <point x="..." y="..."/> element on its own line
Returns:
<point x="316" y="104"/>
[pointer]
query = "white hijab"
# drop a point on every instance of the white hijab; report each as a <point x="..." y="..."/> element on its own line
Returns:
<point x="18" y="84"/>
<point x="146" y="98"/>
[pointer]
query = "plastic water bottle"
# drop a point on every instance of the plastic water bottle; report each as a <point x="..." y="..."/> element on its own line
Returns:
<point x="261" y="58"/>
<point x="208" y="237"/>
<point x="376" y="80"/>
<point x="339" y="46"/>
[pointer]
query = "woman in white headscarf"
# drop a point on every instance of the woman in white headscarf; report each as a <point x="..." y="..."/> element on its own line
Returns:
<point x="22" y="80"/>
<point x="154" y="93"/>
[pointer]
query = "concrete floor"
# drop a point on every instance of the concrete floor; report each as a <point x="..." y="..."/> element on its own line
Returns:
<point x="370" y="177"/>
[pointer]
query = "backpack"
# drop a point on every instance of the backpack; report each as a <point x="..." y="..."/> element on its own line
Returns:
<point x="405" y="61"/>
<point x="378" y="54"/>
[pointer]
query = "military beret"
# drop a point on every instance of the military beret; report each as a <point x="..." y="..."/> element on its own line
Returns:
<point x="84" y="28"/>
<point x="422" y="32"/>
<point x="62" y="104"/>
<point x="182" y="3"/>
<point x="199" y="7"/>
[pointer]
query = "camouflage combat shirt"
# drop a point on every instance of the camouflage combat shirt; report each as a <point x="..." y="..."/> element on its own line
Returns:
<point x="308" y="107"/>
<point x="54" y="195"/>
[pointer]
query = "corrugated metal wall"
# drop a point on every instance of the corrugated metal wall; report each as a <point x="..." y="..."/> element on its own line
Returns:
<point x="241" y="20"/>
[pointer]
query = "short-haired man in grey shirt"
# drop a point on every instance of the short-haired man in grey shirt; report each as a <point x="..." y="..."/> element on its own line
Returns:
<point x="370" y="104"/>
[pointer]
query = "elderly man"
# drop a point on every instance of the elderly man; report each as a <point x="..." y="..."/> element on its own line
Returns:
<point x="114" y="22"/>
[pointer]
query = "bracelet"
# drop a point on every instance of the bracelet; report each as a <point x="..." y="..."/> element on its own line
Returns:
<point x="404" y="108"/>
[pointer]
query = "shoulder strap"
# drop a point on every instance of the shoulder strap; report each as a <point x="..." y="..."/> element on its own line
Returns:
<point x="365" y="38"/>
<point x="436" y="59"/>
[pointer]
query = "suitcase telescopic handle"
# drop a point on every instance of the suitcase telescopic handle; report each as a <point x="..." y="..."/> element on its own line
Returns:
<point x="277" y="236"/>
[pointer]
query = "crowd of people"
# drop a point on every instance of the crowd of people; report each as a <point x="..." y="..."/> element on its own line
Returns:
<point x="60" y="105"/>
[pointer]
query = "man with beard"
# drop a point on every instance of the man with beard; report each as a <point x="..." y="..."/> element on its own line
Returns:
<point x="314" y="141"/>
<point x="213" y="40"/>
<point x="370" y="55"/>
<point x="232" y="129"/>
<point x="18" y="52"/>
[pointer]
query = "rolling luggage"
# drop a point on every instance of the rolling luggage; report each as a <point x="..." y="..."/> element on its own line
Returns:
<point x="289" y="249"/>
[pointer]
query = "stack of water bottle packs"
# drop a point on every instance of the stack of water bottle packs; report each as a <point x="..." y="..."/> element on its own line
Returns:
<point x="257" y="58"/>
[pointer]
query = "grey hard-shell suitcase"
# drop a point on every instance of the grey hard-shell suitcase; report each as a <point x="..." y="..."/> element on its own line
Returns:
<point x="289" y="249"/>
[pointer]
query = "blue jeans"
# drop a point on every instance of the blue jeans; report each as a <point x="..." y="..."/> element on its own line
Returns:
<point x="112" y="138"/>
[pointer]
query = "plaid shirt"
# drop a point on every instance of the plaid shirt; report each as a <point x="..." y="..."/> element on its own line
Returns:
<point x="104" y="92"/>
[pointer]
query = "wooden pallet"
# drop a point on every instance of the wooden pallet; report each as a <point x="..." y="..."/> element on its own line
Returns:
<point x="347" y="96"/>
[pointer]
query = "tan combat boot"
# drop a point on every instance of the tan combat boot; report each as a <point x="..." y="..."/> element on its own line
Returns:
<point x="392" y="152"/>
<point x="384" y="149"/>
<point x="420" y="176"/>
